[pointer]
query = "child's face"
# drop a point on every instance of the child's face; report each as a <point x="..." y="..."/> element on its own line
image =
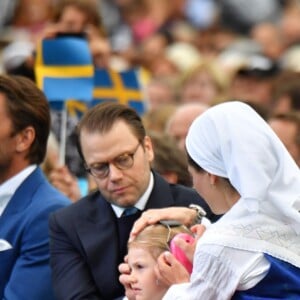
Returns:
<point x="143" y="279"/>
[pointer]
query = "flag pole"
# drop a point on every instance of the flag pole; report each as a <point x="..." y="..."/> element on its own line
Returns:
<point x="63" y="135"/>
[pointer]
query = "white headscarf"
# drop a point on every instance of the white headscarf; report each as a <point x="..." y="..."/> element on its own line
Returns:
<point x="231" y="140"/>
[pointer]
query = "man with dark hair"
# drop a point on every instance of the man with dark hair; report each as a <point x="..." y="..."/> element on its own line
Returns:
<point x="26" y="198"/>
<point x="88" y="240"/>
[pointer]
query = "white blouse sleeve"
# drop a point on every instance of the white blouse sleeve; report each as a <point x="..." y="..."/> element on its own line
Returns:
<point x="218" y="272"/>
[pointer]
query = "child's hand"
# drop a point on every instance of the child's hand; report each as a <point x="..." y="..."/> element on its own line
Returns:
<point x="124" y="278"/>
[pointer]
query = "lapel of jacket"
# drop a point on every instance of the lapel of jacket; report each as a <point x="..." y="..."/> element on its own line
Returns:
<point x="22" y="197"/>
<point x="8" y="221"/>
<point x="99" y="237"/>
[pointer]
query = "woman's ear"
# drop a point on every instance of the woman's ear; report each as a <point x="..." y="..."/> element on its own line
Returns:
<point x="212" y="179"/>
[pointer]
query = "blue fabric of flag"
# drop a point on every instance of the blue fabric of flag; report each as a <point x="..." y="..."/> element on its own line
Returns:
<point x="64" y="69"/>
<point x="122" y="87"/>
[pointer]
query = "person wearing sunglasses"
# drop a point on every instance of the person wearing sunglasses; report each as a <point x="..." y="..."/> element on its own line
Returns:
<point x="89" y="240"/>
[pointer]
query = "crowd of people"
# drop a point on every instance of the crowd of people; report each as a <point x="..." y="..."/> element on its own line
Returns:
<point x="219" y="143"/>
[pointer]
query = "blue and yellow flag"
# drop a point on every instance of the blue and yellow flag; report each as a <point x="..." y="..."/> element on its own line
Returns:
<point x="122" y="87"/>
<point x="64" y="69"/>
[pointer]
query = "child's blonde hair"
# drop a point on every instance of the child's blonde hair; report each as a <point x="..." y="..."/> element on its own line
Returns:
<point x="156" y="238"/>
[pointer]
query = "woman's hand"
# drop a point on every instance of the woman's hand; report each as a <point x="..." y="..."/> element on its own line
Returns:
<point x="170" y="271"/>
<point x="184" y="215"/>
<point x="187" y="247"/>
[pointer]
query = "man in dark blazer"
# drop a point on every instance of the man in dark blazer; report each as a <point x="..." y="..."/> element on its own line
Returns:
<point x="88" y="240"/>
<point x="26" y="197"/>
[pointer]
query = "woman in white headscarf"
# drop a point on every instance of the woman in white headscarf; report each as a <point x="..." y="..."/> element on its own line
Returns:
<point x="243" y="171"/>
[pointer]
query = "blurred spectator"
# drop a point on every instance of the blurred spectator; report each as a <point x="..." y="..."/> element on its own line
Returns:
<point x="260" y="109"/>
<point x="242" y="15"/>
<point x="162" y="66"/>
<point x="290" y="58"/>
<point x="213" y="40"/>
<point x="184" y="55"/>
<point x="68" y="17"/>
<point x="237" y="54"/>
<point x="17" y="59"/>
<point x="154" y="46"/>
<point x="118" y="31"/>
<point x="203" y="83"/>
<point x="201" y="13"/>
<point x="253" y="82"/>
<point x="7" y="9"/>
<point x="179" y="123"/>
<point x="156" y="119"/>
<point x="71" y="186"/>
<point x="286" y="93"/>
<point x="268" y="36"/>
<point x="289" y="23"/>
<point x="24" y="19"/>
<point x="81" y="17"/>
<point x="169" y="161"/>
<point x="60" y="176"/>
<point x="32" y="16"/>
<point x="287" y="127"/>
<point x="51" y="160"/>
<point x="136" y="14"/>
<point x="159" y="91"/>
<point x="182" y="31"/>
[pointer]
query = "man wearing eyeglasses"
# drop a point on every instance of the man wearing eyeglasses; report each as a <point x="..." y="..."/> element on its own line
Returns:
<point x="89" y="238"/>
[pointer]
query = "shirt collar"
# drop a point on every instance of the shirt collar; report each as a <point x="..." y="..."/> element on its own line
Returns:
<point x="9" y="187"/>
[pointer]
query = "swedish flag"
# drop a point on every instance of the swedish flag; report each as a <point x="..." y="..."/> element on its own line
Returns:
<point x="64" y="69"/>
<point x="122" y="87"/>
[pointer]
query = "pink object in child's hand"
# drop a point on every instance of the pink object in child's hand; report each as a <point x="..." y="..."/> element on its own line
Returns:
<point x="179" y="254"/>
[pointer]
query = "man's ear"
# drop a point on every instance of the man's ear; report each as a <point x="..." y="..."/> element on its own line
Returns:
<point x="25" y="138"/>
<point x="149" y="148"/>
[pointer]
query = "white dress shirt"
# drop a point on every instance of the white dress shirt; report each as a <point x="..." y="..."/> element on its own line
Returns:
<point x="141" y="203"/>
<point x="9" y="187"/>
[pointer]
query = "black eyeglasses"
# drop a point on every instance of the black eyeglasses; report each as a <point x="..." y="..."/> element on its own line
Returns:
<point x="122" y="162"/>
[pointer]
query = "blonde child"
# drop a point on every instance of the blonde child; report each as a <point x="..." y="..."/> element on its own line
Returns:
<point x="143" y="252"/>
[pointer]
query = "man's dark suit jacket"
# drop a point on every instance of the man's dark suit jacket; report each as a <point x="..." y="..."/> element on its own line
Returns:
<point x="84" y="244"/>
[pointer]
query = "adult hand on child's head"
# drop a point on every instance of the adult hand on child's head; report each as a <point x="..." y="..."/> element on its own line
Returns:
<point x="170" y="271"/>
<point x="124" y="278"/>
<point x="184" y="215"/>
